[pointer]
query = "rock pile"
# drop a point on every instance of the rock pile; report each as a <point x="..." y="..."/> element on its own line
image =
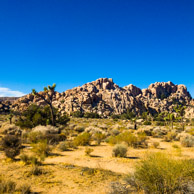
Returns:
<point x="104" y="97"/>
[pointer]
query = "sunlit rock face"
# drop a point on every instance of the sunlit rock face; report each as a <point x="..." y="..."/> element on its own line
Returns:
<point x="105" y="97"/>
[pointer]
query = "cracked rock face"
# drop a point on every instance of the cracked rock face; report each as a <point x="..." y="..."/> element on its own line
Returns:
<point x="105" y="97"/>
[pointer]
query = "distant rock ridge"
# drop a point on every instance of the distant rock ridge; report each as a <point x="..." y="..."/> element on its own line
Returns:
<point x="105" y="97"/>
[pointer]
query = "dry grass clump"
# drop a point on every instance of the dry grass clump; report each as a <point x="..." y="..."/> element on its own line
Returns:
<point x="119" y="150"/>
<point x="160" y="173"/>
<point x="35" y="170"/>
<point x="88" y="151"/>
<point x="25" y="189"/>
<point x="41" y="150"/>
<point x="156" y="144"/>
<point x="29" y="159"/>
<point x="8" y="186"/>
<point x="10" y="129"/>
<point x="49" y="129"/>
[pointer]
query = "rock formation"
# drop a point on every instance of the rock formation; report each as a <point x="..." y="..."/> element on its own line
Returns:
<point x="104" y="97"/>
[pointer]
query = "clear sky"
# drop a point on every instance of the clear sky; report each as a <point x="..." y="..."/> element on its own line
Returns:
<point x="71" y="42"/>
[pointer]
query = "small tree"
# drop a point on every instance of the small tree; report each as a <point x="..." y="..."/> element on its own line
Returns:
<point x="180" y="110"/>
<point x="170" y="117"/>
<point x="47" y="96"/>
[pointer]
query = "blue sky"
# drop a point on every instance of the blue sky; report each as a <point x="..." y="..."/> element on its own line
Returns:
<point x="71" y="42"/>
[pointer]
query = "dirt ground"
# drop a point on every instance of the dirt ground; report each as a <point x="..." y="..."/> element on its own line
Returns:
<point x="65" y="172"/>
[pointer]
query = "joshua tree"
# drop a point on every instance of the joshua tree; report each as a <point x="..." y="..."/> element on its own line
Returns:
<point x="47" y="96"/>
<point x="180" y="110"/>
<point x="170" y="117"/>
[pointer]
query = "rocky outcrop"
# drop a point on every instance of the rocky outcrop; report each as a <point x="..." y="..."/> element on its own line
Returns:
<point x="5" y="106"/>
<point x="104" y="97"/>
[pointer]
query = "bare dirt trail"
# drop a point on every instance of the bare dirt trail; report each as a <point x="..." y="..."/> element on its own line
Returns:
<point x="100" y="158"/>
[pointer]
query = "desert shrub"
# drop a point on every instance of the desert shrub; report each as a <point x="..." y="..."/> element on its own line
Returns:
<point x="35" y="170"/>
<point x="130" y="139"/>
<point x="115" y="117"/>
<point x="158" y="132"/>
<point x="52" y="139"/>
<point x="34" y="137"/>
<point x="29" y="159"/>
<point x="49" y="129"/>
<point x="98" y="137"/>
<point x="7" y="186"/>
<point x="114" y="132"/>
<point x="170" y="136"/>
<point x="159" y="173"/>
<point x="147" y="123"/>
<point x="160" y="123"/>
<point x="118" y="188"/>
<point x="128" y="115"/>
<point x="83" y="139"/>
<point x="187" y="141"/>
<point x="11" y="145"/>
<point x="41" y="149"/>
<point x="155" y="144"/>
<point x="88" y="151"/>
<point x="91" y="115"/>
<point x="10" y="129"/>
<point x="64" y="146"/>
<point x="119" y="150"/>
<point x="89" y="171"/>
<point x="175" y="146"/>
<point x="77" y="114"/>
<point x="141" y="141"/>
<point x="62" y="120"/>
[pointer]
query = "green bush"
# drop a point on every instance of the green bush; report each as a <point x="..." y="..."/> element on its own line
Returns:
<point x="77" y="114"/>
<point x="147" y="123"/>
<point x="29" y="159"/>
<point x="130" y="139"/>
<point x="119" y="150"/>
<point x="159" y="173"/>
<point x="11" y="145"/>
<point x="98" y="137"/>
<point x="91" y="115"/>
<point x="83" y="139"/>
<point x="160" y="123"/>
<point x="36" y="115"/>
<point x="41" y="149"/>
